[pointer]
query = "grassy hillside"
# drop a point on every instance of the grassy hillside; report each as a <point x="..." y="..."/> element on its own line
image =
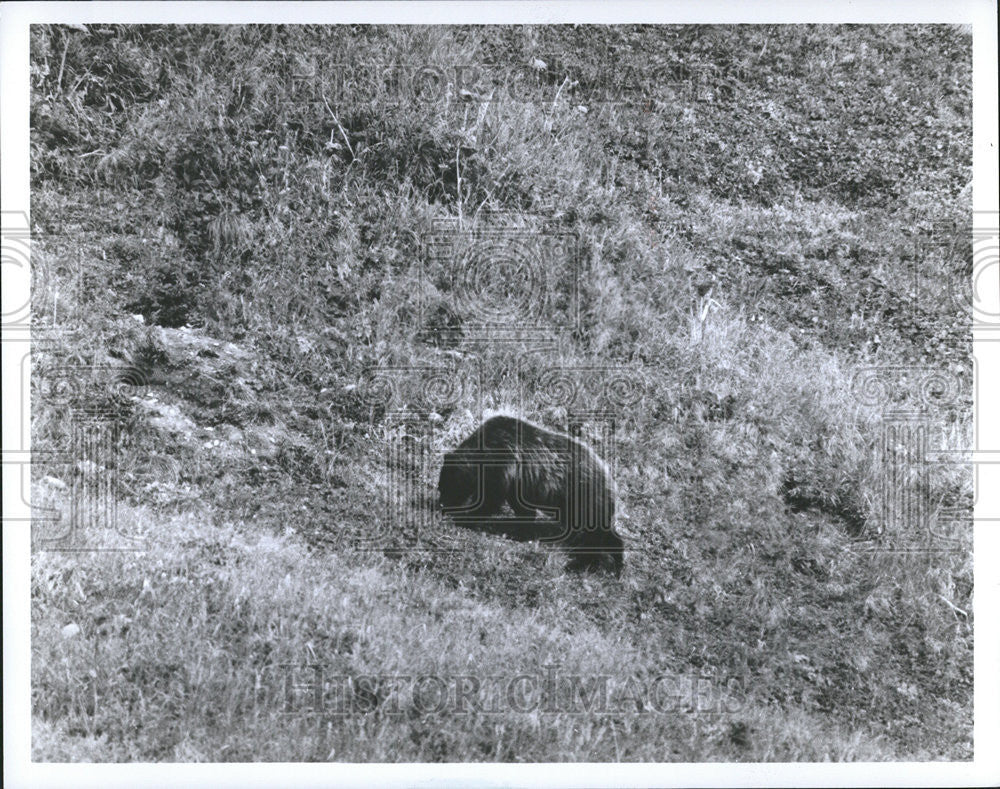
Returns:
<point x="237" y="226"/>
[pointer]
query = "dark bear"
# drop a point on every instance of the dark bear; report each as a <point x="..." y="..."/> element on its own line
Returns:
<point x="510" y="460"/>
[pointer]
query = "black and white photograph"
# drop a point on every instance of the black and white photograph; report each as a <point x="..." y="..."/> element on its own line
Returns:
<point x="440" y="388"/>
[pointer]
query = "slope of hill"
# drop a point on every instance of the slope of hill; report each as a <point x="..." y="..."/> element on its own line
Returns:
<point x="236" y="226"/>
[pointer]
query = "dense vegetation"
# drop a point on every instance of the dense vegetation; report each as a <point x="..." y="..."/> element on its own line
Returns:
<point x="238" y="224"/>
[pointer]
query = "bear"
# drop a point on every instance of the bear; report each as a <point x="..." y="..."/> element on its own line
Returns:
<point x="533" y="469"/>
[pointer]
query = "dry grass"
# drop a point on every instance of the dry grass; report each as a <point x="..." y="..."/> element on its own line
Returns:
<point x="744" y="283"/>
